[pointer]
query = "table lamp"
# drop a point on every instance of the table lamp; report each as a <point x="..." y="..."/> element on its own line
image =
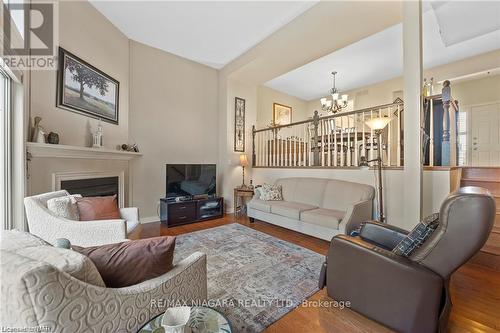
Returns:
<point x="243" y="163"/>
<point x="377" y="125"/>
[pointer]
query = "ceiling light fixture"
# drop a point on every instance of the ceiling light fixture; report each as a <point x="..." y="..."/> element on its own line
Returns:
<point x="337" y="102"/>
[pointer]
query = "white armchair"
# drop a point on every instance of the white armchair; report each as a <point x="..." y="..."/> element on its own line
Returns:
<point x="44" y="286"/>
<point x="44" y="224"/>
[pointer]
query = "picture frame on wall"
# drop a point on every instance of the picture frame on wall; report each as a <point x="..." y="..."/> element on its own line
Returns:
<point x="84" y="89"/>
<point x="282" y="114"/>
<point x="239" y="124"/>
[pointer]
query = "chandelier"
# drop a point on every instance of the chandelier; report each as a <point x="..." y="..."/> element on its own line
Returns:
<point x="337" y="102"/>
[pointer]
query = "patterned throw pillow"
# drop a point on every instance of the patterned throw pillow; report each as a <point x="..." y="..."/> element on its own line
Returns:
<point x="64" y="207"/>
<point x="271" y="192"/>
<point x="417" y="236"/>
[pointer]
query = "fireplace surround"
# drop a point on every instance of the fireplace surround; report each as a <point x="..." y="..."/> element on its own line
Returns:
<point x="91" y="183"/>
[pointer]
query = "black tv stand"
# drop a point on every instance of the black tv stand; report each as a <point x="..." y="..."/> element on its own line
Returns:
<point x="174" y="213"/>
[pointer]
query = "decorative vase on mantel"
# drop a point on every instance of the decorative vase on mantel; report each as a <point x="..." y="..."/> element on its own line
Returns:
<point x="97" y="136"/>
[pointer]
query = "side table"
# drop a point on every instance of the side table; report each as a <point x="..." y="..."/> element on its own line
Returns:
<point x="239" y="199"/>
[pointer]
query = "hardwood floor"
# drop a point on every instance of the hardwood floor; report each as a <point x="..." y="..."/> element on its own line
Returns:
<point x="475" y="289"/>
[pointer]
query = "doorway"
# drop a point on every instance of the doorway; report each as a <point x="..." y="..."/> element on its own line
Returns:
<point x="484" y="149"/>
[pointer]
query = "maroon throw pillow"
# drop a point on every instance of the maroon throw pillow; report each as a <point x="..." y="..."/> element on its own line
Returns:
<point x="131" y="262"/>
<point x="98" y="208"/>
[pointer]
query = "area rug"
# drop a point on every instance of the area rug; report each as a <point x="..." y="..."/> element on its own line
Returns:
<point x="253" y="278"/>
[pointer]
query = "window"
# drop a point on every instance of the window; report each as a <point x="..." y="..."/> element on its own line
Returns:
<point x="462" y="138"/>
<point x="17" y="16"/>
<point x="5" y="150"/>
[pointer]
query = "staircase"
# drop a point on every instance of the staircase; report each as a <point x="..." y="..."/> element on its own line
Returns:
<point x="487" y="177"/>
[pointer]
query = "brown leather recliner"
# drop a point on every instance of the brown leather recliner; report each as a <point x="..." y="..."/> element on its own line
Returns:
<point x="409" y="294"/>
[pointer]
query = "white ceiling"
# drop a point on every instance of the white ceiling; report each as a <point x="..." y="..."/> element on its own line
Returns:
<point x="209" y="32"/>
<point x="380" y="57"/>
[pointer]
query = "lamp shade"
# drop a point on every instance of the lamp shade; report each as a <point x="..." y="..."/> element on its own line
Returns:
<point x="378" y="123"/>
<point x="243" y="160"/>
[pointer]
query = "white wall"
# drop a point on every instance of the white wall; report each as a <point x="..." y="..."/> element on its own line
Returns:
<point x="86" y="33"/>
<point x="436" y="187"/>
<point x="173" y="119"/>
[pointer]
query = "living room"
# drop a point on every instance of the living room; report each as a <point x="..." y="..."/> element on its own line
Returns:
<point x="265" y="145"/>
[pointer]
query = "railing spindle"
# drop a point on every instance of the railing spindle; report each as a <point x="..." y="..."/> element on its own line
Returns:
<point x="398" y="162"/>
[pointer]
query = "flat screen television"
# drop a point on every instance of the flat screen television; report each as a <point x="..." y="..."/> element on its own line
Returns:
<point x="191" y="180"/>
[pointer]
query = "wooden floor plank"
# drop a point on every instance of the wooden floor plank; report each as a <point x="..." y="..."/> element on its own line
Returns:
<point x="475" y="289"/>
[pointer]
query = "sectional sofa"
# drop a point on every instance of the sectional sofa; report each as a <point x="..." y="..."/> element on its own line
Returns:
<point x="318" y="207"/>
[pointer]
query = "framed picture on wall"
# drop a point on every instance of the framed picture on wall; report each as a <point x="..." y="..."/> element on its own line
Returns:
<point x="84" y="89"/>
<point x="239" y="124"/>
<point x="282" y="114"/>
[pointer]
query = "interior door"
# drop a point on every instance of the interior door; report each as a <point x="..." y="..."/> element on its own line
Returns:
<point x="485" y="130"/>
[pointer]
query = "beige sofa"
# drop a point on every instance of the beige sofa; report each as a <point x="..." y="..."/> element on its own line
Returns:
<point x="61" y="290"/>
<point x="318" y="207"/>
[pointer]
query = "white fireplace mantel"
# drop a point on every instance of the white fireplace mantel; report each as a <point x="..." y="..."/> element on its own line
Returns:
<point x="65" y="151"/>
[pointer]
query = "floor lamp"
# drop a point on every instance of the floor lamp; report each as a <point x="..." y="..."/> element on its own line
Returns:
<point x="377" y="125"/>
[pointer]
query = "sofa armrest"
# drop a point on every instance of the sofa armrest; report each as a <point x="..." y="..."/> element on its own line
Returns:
<point x="383" y="286"/>
<point x="130" y="214"/>
<point x="381" y="234"/>
<point x="111" y="309"/>
<point x="356" y="213"/>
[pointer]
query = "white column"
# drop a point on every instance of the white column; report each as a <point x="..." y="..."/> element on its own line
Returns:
<point x="412" y="71"/>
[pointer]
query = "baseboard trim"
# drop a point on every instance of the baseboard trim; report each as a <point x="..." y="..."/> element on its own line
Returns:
<point x="149" y="219"/>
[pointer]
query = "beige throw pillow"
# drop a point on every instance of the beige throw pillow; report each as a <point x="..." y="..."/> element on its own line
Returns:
<point x="65" y="207"/>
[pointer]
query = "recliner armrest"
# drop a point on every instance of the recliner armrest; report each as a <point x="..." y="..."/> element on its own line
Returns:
<point x="381" y="234"/>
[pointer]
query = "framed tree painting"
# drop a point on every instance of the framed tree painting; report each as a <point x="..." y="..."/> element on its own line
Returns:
<point x="239" y="124"/>
<point x="84" y="89"/>
<point x="282" y="114"/>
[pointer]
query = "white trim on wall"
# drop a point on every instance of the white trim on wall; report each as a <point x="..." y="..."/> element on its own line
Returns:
<point x="58" y="177"/>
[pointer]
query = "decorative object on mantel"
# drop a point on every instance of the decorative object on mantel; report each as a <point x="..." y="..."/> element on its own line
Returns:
<point x="132" y="147"/>
<point x="97" y="136"/>
<point x="38" y="131"/>
<point x="53" y="138"/>
<point x="86" y="90"/>
<point x="239" y="124"/>
<point x="377" y="125"/>
<point x="282" y="114"/>
<point x="336" y="103"/>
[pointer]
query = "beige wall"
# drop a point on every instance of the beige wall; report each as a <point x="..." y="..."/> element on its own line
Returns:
<point x="230" y="173"/>
<point x="267" y="97"/>
<point x="173" y="119"/>
<point x="86" y="33"/>
<point x="105" y="47"/>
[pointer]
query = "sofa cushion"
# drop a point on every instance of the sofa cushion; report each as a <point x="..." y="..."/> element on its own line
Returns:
<point x="257" y="204"/>
<point x="15" y="239"/>
<point x="328" y="218"/>
<point x="98" y="208"/>
<point x="64" y="207"/>
<point x="271" y="192"/>
<point x="417" y="236"/>
<point x="29" y="246"/>
<point x="131" y="262"/>
<point x="310" y="191"/>
<point x="288" y="186"/>
<point x="339" y="194"/>
<point x="290" y="209"/>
